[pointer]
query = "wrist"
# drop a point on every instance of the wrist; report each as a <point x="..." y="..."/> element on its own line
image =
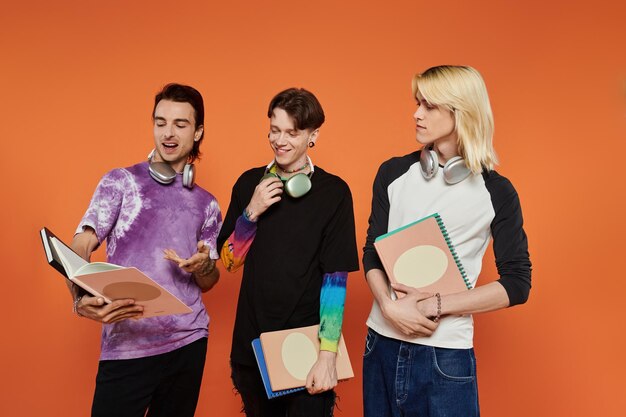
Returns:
<point x="437" y="308"/>
<point x="385" y="305"/>
<point x="207" y="268"/>
<point x="75" y="306"/>
<point x="249" y="214"/>
<point x="327" y="345"/>
<point x="327" y="355"/>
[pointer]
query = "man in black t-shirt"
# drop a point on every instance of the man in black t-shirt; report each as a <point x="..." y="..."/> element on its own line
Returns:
<point x="291" y="225"/>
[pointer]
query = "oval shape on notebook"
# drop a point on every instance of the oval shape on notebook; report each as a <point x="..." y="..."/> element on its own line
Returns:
<point x="420" y="266"/>
<point x="299" y="355"/>
<point x="136" y="290"/>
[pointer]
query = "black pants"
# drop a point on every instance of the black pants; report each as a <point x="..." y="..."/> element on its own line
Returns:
<point x="165" y="385"/>
<point x="248" y="383"/>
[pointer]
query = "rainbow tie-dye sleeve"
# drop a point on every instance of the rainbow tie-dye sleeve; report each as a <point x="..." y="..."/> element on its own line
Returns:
<point x="236" y="247"/>
<point x="332" y="299"/>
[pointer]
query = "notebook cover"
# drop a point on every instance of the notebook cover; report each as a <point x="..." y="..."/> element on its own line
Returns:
<point x="260" y="360"/>
<point x="290" y="354"/>
<point x="422" y="256"/>
<point x="51" y="254"/>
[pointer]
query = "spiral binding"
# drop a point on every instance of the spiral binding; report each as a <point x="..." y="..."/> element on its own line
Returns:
<point x="456" y="258"/>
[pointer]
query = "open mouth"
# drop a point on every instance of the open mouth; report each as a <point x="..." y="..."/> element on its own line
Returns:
<point x="169" y="146"/>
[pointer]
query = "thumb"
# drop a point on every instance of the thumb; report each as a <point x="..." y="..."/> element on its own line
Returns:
<point x="401" y="287"/>
<point x="202" y="248"/>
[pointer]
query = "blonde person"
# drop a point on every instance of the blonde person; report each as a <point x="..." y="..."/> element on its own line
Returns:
<point x="419" y="358"/>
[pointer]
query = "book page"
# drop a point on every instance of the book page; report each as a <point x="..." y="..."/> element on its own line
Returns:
<point x="70" y="260"/>
<point x="92" y="268"/>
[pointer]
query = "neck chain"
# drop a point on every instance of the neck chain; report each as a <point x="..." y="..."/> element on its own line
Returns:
<point x="293" y="171"/>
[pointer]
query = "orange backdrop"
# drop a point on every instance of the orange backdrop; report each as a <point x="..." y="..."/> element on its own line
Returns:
<point x="77" y="84"/>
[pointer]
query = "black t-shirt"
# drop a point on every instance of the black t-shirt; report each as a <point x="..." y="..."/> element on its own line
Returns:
<point x="297" y="241"/>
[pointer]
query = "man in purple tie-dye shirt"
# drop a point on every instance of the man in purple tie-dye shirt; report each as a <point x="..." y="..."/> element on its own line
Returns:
<point x="154" y="219"/>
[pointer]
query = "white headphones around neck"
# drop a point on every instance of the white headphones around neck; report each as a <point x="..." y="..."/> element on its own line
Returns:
<point x="164" y="174"/>
<point x="454" y="171"/>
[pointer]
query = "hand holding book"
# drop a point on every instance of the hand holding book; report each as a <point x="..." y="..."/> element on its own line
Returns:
<point x="115" y="292"/>
<point x="405" y="313"/>
<point x="289" y="361"/>
<point x="96" y="309"/>
<point x="424" y="300"/>
<point x="323" y="375"/>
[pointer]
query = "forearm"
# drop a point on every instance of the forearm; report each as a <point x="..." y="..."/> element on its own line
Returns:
<point x="332" y="301"/>
<point x="489" y="297"/>
<point x="401" y="313"/>
<point x="208" y="277"/>
<point x="236" y="247"/>
<point x="379" y="286"/>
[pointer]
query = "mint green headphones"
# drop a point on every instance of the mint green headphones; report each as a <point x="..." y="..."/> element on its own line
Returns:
<point x="295" y="186"/>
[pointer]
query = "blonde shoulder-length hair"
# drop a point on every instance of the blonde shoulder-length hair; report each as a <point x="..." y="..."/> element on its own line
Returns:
<point x="462" y="90"/>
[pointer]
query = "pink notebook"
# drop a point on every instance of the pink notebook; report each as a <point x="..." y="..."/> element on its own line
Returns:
<point x="422" y="256"/>
<point x="290" y="354"/>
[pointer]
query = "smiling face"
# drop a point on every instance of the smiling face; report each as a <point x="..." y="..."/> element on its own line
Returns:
<point x="175" y="132"/>
<point x="289" y="144"/>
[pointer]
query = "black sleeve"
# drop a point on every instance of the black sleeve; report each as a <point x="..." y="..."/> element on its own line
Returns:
<point x="378" y="221"/>
<point x="338" y="252"/>
<point x="235" y="208"/>
<point x="510" y="244"/>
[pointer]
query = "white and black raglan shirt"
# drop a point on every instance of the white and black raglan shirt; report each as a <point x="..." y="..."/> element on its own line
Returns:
<point x="480" y="208"/>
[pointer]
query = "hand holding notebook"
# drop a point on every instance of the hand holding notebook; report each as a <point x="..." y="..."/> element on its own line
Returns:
<point x="111" y="282"/>
<point x="285" y="358"/>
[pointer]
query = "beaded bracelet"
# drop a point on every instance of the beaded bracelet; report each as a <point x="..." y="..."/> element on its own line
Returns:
<point x="75" y="306"/>
<point x="438" y="316"/>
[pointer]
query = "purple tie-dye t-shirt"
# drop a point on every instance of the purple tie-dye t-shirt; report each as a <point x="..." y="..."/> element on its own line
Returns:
<point x="139" y="218"/>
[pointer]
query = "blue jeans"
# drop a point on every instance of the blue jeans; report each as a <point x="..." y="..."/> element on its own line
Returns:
<point x="408" y="379"/>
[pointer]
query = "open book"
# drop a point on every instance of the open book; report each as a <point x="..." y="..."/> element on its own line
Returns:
<point x="421" y="255"/>
<point x="285" y="358"/>
<point x="109" y="281"/>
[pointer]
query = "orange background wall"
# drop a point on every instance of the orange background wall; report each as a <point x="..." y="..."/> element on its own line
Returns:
<point x="76" y="89"/>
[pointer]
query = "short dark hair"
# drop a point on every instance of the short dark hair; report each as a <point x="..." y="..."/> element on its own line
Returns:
<point x="301" y="105"/>
<point x="185" y="94"/>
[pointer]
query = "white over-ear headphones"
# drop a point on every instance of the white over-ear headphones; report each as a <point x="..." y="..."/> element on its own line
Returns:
<point x="454" y="171"/>
<point x="164" y="174"/>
